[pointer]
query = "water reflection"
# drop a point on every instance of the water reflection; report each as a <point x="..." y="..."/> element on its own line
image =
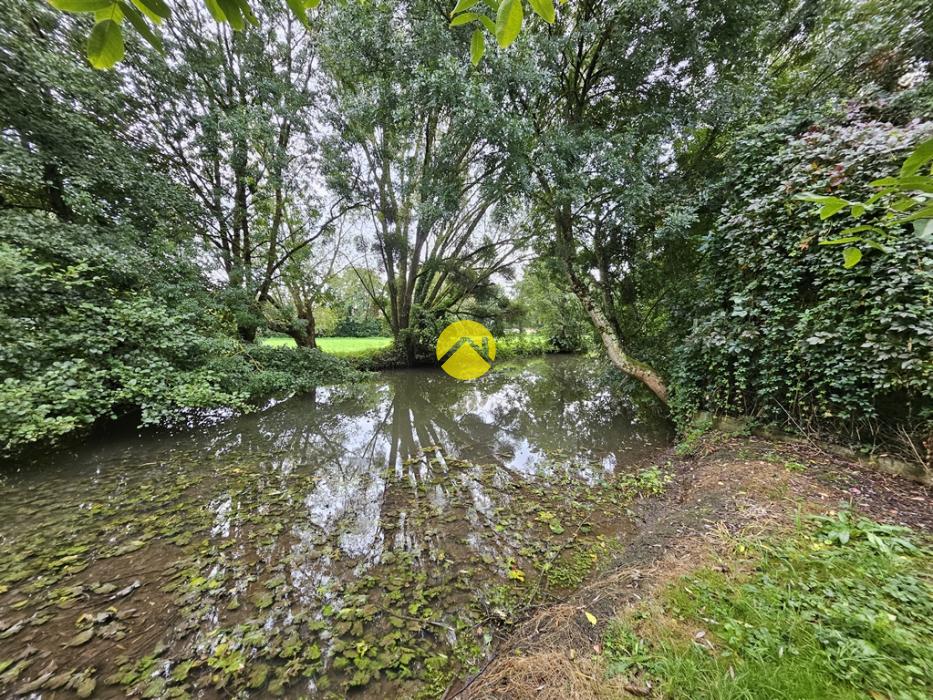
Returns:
<point x="383" y="511"/>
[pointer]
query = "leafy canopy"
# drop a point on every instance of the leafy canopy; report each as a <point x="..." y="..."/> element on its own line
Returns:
<point x="105" y="46"/>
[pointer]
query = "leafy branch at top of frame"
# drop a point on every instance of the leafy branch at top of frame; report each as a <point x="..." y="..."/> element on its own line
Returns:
<point x="106" y="48"/>
<point x="502" y="19"/>
<point x="905" y="198"/>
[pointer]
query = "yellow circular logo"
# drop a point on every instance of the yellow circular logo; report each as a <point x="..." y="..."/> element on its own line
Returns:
<point x="466" y="350"/>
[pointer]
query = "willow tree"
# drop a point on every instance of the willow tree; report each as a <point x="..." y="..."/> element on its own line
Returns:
<point x="409" y="140"/>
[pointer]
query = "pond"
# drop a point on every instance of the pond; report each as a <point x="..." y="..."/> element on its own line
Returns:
<point x="371" y="540"/>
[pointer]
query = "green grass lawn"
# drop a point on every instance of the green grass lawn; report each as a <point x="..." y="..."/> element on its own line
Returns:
<point x="335" y="346"/>
<point x="840" y="609"/>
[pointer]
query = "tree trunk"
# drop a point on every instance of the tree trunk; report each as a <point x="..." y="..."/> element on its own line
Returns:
<point x="627" y="364"/>
<point x="247" y="332"/>
<point x="305" y="335"/>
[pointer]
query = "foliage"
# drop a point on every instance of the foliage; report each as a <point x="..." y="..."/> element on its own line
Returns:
<point x="355" y="313"/>
<point x="236" y="118"/>
<point x="785" y="333"/>
<point x="102" y="310"/>
<point x="92" y="335"/>
<point x="552" y="309"/>
<point x="105" y="47"/>
<point x="836" y="610"/>
<point x="693" y="436"/>
<point x="611" y="97"/>
<point x="408" y="143"/>
<point x="903" y="199"/>
<point x="504" y="26"/>
<point x="514" y="345"/>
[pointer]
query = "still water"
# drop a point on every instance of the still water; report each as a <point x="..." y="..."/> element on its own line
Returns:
<point x="372" y="540"/>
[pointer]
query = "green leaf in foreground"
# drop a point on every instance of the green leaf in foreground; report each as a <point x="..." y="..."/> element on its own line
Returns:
<point x="477" y="47"/>
<point x="80" y="5"/>
<point x="156" y="7"/>
<point x="851" y="257"/>
<point x="508" y="22"/>
<point x="136" y="18"/>
<point x="544" y="9"/>
<point x="463" y="6"/>
<point x="922" y="155"/>
<point x="105" y="45"/>
<point x="465" y="18"/>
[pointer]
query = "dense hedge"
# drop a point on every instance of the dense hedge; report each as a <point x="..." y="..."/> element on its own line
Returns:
<point x="784" y="331"/>
<point x="96" y="323"/>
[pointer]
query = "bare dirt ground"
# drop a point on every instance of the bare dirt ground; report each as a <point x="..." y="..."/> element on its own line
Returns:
<point x="731" y="485"/>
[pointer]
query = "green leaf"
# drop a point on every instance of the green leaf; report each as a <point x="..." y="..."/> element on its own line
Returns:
<point x="544" y="9"/>
<point x="111" y="12"/>
<point x="488" y="23"/>
<point x="465" y="18"/>
<point x="298" y="9"/>
<point x="851" y="257"/>
<point x="591" y="618"/>
<point x="143" y="8"/>
<point x="905" y="203"/>
<point x="842" y="241"/>
<point x="920" y="183"/>
<point x="136" y="18"/>
<point x="105" y="45"/>
<point x="922" y="155"/>
<point x="462" y="6"/>
<point x="833" y="206"/>
<point x="247" y="12"/>
<point x="80" y="5"/>
<point x="860" y="229"/>
<point x="508" y="22"/>
<point x="216" y="11"/>
<point x="477" y="47"/>
<point x="925" y="213"/>
<point x="818" y="198"/>
<point x="157" y="7"/>
<point x="231" y="10"/>
<point x="871" y="243"/>
<point x="311" y="4"/>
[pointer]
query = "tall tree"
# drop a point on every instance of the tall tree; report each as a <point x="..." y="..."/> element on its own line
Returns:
<point x="607" y="100"/>
<point x="236" y="113"/>
<point x="409" y="142"/>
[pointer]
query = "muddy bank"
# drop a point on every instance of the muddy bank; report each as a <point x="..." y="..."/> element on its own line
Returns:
<point x="731" y="485"/>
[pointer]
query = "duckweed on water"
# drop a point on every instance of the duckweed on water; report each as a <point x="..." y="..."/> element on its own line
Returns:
<point x="209" y="571"/>
<point x="247" y="602"/>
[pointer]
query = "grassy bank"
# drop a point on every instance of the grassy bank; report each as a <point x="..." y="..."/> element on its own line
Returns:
<point x="335" y="346"/>
<point x="770" y="570"/>
<point x="374" y="352"/>
<point x="838" y="607"/>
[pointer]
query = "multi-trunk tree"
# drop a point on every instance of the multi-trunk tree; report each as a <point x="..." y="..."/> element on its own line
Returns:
<point x="234" y="112"/>
<point x="409" y="142"/>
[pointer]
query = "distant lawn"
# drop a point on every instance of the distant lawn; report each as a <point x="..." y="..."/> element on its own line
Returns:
<point x="335" y="346"/>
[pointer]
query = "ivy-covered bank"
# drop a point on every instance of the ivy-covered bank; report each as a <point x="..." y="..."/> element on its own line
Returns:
<point x="787" y="332"/>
